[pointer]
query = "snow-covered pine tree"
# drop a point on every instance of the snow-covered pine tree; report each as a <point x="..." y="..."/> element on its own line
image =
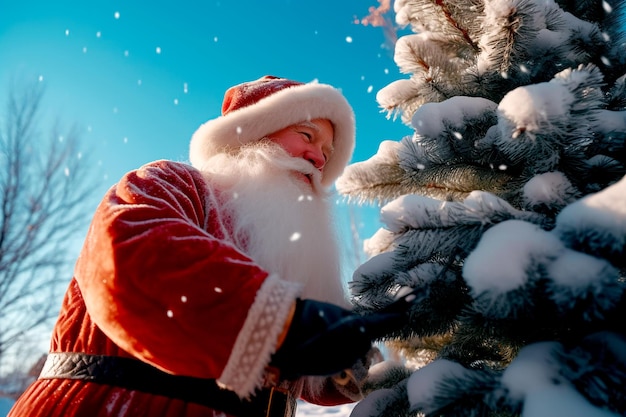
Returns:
<point x="504" y="212"/>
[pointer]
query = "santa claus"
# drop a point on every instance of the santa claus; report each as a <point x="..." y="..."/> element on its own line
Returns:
<point x="214" y="287"/>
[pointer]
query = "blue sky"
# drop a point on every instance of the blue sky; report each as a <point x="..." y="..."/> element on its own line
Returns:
<point x="140" y="77"/>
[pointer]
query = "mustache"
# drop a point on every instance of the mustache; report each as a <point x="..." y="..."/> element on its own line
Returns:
<point x="275" y="155"/>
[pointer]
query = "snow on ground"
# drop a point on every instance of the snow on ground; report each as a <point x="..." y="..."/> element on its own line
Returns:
<point x="305" y="409"/>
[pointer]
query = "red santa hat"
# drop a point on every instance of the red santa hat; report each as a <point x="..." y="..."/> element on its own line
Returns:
<point x="253" y="110"/>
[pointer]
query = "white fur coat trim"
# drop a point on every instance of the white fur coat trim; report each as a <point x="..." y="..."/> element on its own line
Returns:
<point x="257" y="340"/>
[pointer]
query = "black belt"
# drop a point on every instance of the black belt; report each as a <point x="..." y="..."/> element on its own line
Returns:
<point x="133" y="374"/>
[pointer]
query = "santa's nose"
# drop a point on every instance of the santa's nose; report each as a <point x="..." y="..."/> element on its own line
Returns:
<point x="316" y="158"/>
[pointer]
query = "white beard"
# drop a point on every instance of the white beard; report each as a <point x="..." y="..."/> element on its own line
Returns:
<point x="278" y="220"/>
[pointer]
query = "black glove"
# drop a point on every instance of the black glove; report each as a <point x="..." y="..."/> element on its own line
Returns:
<point x="324" y="339"/>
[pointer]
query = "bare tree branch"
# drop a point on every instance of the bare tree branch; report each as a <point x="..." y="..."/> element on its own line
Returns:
<point x="45" y="190"/>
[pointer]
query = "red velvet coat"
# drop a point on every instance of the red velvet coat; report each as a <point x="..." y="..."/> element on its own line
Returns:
<point x="159" y="279"/>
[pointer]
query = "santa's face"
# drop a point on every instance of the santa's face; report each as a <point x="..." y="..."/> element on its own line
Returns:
<point x="310" y="140"/>
<point x="280" y="221"/>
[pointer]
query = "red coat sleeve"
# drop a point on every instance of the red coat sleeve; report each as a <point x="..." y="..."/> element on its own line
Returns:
<point x="159" y="274"/>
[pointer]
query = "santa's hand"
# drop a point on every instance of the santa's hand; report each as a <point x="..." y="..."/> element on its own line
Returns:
<point x="324" y="339"/>
<point x="349" y="382"/>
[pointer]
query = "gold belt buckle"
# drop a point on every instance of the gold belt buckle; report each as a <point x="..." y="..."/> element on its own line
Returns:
<point x="281" y="403"/>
